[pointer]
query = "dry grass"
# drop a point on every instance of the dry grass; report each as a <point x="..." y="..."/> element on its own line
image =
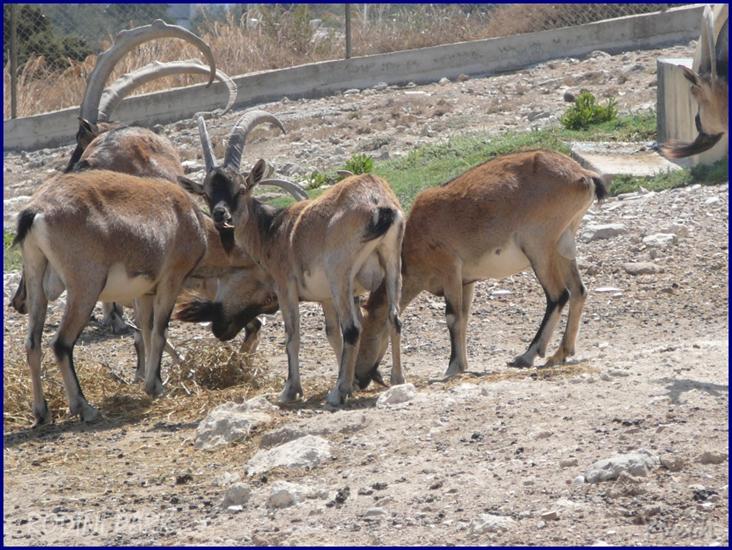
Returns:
<point x="285" y="39"/>
<point x="209" y="375"/>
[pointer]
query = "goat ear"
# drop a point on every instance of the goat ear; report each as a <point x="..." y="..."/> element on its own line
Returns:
<point x="193" y="187"/>
<point x="256" y="174"/>
<point x="690" y="75"/>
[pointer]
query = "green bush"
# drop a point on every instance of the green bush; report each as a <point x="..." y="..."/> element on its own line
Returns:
<point x="360" y="163"/>
<point x="586" y="111"/>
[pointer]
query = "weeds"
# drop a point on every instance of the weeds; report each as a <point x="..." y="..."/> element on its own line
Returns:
<point x="360" y="163"/>
<point x="586" y="111"/>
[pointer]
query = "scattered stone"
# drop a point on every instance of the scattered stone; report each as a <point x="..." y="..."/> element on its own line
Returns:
<point x="237" y="495"/>
<point x="641" y="268"/>
<point x="660" y="240"/>
<point x="375" y="513"/>
<point x="305" y="452"/>
<point x="637" y="463"/>
<point x="284" y="494"/>
<point x="379" y="486"/>
<point x="462" y="77"/>
<point x="568" y="96"/>
<point x="444" y="81"/>
<point x="551" y="515"/>
<point x="352" y="91"/>
<point x="546" y="434"/>
<point x="672" y="463"/>
<point x="397" y="394"/>
<point x="226" y="479"/>
<point x="381" y="86"/>
<point x="183" y="479"/>
<point x="712" y="457"/>
<point x="228" y="423"/>
<point x="702" y="495"/>
<point x="489" y="523"/>
<point x="596" y="232"/>
<point x="604" y="289"/>
<point x="568" y="462"/>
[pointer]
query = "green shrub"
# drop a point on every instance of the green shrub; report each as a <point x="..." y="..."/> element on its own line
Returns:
<point x="586" y="111"/>
<point x="360" y="163"/>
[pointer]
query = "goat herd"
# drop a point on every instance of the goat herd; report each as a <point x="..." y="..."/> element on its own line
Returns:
<point x="122" y="225"/>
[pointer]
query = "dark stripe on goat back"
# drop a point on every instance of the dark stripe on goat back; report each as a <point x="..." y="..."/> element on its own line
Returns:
<point x="25" y="221"/>
<point x="384" y="220"/>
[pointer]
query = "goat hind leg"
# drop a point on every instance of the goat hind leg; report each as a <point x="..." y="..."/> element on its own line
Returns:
<point x="577" y="298"/>
<point x="79" y="305"/>
<point x="557" y="296"/>
<point x="36" y="303"/>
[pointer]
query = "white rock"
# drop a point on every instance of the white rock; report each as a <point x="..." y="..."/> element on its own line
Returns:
<point x="489" y="523"/>
<point x="596" y="232"/>
<point x="381" y="86"/>
<point x="228" y="423"/>
<point x="712" y="200"/>
<point x="397" y="394"/>
<point x="284" y="494"/>
<point x="260" y="403"/>
<point x="375" y="512"/>
<point x="444" y="81"/>
<point x="660" y="240"/>
<point x="226" y="479"/>
<point x="237" y="495"/>
<point x="637" y="463"/>
<point x="305" y="452"/>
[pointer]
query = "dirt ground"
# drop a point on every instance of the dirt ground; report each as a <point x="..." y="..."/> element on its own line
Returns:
<point x="650" y="373"/>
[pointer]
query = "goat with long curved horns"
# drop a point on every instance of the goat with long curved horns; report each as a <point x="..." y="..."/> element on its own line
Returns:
<point x="325" y="250"/>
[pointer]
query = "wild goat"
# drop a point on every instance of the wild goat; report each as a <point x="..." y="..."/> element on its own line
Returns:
<point x="216" y="265"/>
<point x="107" y="236"/>
<point x="494" y="220"/>
<point x="325" y="250"/>
<point x="132" y="150"/>
<point x="709" y="87"/>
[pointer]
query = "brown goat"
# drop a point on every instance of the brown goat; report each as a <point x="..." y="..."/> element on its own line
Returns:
<point x="90" y="233"/>
<point x="497" y="219"/>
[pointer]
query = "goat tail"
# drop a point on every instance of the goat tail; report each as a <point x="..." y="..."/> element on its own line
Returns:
<point x="25" y="221"/>
<point x="602" y="186"/>
<point x="383" y="218"/>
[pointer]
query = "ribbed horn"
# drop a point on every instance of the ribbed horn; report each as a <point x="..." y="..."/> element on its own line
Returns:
<point x="239" y="133"/>
<point x="123" y="86"/>
<point x="123" y="43"/>
<point x="208" y="154"/>
<point x="291" y="187"/>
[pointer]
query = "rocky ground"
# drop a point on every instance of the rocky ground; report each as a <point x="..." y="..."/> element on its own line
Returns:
<point x="626" y="445"/>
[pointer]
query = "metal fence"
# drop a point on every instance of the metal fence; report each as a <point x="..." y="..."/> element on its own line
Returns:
<point x="49" y="49"/>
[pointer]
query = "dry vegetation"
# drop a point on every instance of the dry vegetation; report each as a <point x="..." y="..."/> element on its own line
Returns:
<point x="286" y="39"/>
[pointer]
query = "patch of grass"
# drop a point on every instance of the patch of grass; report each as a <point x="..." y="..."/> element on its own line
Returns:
<point x="586" y="111"/>
<point x="360" y="163"/>
<point x="713" y="174"/>
<point x="12" y="260"/>
<point x="432" y="165"/>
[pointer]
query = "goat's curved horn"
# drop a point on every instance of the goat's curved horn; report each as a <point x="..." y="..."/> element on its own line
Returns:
<point x="123" y="86"/>
<point x="123" y="43"/>
<point x="292" y="188"/>
<point x="239" y="133"/>
<point x="707" y="63"/>
<point x="208" y="156"/>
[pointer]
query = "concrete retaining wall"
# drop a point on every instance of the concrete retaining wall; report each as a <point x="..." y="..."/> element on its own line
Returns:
<point x="480" y="57"/>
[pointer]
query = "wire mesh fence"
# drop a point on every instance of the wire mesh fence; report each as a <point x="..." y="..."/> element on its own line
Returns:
<point x="50" y="49"/>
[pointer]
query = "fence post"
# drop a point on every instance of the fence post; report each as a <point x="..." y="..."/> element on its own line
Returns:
<point x="13" y="61"/>
<point x="348" y="31"/>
